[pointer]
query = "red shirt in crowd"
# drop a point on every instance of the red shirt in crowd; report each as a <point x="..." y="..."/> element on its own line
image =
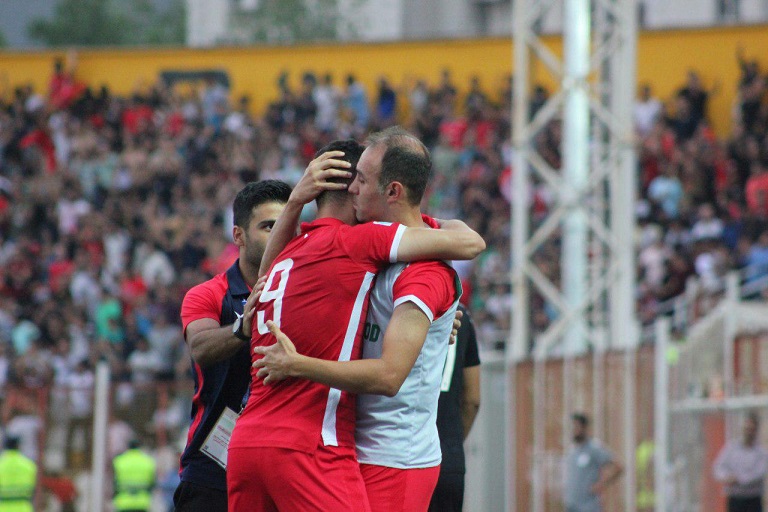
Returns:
<point x="757" y="194"/>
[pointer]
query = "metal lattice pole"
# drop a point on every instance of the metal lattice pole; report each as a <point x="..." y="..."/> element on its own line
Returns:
<point x="594" y="194"/>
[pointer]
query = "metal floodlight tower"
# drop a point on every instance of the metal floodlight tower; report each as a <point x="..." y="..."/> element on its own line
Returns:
<point x="592" y="218"/>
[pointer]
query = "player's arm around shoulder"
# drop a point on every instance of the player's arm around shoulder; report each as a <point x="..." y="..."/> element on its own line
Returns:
<point x="453" y="241"/>
<point x="210" y="342"/>
<point x="402" y="341"/>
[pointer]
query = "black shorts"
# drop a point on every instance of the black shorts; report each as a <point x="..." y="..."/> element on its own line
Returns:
<point x="745" y="504"/>
<point x="190" y="497"/>
<point x="449" y="493"/>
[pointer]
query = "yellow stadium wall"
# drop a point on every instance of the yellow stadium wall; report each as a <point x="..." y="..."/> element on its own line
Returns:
<point x="663" y="59"/>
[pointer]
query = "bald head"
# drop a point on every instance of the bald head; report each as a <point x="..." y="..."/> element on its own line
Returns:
<point x="405" y="160"/>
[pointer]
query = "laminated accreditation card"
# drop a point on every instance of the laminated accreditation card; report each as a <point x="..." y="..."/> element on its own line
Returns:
<point x="215" y="445"/>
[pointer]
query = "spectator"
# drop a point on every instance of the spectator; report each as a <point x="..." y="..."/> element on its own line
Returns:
<point x="666" y="191"/>
<point x="476" y="98"/>
<point x="357" y="103"/>
<point x="757" y="258"/>
<point x="25" y="425"/>
<point x="18" y="476"/>
<point x="386" y="107"/>
<point x="589" y="470"/>
<point x="696" y="95"/>
<point x="419" y="98"/>
<point x="446" y="93"/>
<point x="742" y="466"/>
<point x="707" y="226"/>
<point x="80" y="384"/>
<point x="647" y="111"/>
<point x="653" y="260"/>
<point x="683" y="121"/>
<point x="757" y="190"/>
<point x="327" y="97"/>
<point x="135" y="477"/>
<point x="165" y="341"/>
<point x="144" y="364"/>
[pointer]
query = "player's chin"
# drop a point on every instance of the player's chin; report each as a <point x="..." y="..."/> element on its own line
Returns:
<point x="360" y="215"/>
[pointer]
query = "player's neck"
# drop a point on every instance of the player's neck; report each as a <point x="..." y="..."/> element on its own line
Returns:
<point x="250" y="274"/>
<point x="343" y="213"/>
<point x="409" y="216"/>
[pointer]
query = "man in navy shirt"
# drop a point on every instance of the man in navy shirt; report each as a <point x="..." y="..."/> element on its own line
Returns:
<point x="221" y="361"/>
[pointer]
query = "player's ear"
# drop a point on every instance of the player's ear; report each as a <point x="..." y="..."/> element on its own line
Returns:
<point x="237" y="236"/>
<point x="395" y="191"/>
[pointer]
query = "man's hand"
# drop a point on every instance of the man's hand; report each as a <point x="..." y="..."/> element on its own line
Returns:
<point x="456" y="326"/>
<point x="315" y="178"/>
<point x="278" y="358"/>
<point x="249" y="309"/>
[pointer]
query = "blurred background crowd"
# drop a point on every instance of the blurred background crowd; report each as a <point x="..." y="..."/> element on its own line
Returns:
<point x="112" y="207"/>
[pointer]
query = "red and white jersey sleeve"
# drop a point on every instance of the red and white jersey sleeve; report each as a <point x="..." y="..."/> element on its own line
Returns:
<point x="431" y="285"/>
<point x="373" y="244"/>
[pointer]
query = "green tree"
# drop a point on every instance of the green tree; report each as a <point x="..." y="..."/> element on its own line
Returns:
<point x="3" y="40"/>
<point x="290" y="21"/>
<point x="81" y="22"/>
<point x="110" y="23"/>
<point x="160" y="27"/>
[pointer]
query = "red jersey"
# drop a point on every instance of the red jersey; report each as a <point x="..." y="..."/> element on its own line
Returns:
<point x="317" y="292"/>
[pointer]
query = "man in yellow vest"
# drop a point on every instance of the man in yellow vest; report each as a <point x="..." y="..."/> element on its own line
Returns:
<point x="17" y="478"/>
<point x="135" y="475"/>
<point x="646" y="498"/>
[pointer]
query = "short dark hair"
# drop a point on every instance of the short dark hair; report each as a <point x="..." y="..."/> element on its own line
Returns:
<point x="580" y="418"/>
<point x="352" y="151"/>
<point x="256" y="193"/>
<point x="12" y="442"/>
<point x="405" y="160"/>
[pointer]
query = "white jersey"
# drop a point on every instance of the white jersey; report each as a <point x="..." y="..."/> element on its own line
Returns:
<point x="400" y="431"/>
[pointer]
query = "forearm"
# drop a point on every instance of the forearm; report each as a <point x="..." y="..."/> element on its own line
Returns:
<point x="465" y="237"/>
<point x="214" y="345"/>
<point x="468" y="414"/>
<point x="609" y="475"/>
<point x="470" y="397"/>
<point x="368" y="376"/>
<point x="282" y="232"/>
<point x="441" y="244"/>
<point x="467" y="245"/>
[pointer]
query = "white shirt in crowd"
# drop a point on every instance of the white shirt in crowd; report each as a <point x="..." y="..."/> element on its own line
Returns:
<point x="645" y="114"/>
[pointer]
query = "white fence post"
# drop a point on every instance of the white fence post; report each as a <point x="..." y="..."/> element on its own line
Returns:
<point x="661" y="414"/>
<point x="100" y="416"/>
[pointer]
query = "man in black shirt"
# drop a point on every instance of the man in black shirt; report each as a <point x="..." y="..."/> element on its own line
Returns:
<point x="456" y="411"/>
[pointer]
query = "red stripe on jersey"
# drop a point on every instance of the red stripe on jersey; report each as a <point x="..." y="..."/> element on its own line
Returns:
<point x="199" y="406"/>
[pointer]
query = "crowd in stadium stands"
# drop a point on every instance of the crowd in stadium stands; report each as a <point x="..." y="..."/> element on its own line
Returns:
<point x="112" y="207"/>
